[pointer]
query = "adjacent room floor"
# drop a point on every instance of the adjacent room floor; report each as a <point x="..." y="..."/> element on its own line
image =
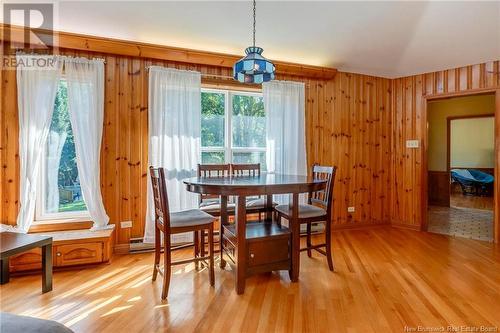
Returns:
<point x="385" y="279"/>
<point x="468" y="216"/>
<point x="461" y="222"/>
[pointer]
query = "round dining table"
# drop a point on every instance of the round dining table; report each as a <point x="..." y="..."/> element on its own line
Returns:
<point x="242" y="187"/>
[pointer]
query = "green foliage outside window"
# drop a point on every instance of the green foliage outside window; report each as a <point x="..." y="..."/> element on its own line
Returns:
<point x="212" y="123"/>
<point x="249" y="122"/>
<point x="68" y="173"/>
<point x="70" y="198"/>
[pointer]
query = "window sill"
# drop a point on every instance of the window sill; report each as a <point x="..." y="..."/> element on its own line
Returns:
<point x="61" y="225"/>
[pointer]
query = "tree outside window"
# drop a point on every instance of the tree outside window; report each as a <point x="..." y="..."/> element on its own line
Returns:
<point x="233" y="127"/>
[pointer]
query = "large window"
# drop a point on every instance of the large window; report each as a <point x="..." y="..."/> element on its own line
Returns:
<point x="233" y="127"/>
<point x="59" y="194"/>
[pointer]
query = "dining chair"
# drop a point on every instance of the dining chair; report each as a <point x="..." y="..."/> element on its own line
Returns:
<point x="252" y="169"/>
<point x="318" y="209"/>
<point x="210" y="203"/>
<point x="166" y="223"/>
<point x="255" y="205"/>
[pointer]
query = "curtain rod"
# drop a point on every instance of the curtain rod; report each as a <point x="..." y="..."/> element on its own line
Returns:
<point x="22" y="52"/>
<point x="216" y="75"/>
<point x="202" y="74"/>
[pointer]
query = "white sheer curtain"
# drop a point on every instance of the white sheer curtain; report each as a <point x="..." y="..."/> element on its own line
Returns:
<point x="37" y="81"/>
<point x="55" y="144"/>
<point x="174" y="135"/>
<point x="85" y="80"/>
<point x="285" y="120"/>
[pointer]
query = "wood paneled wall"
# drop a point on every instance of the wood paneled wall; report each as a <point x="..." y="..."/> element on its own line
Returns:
<point x="359" y="123"/>
<point x="409" y="122"/>
<point x="438" y="188"/>
<point x="348" y="124"/>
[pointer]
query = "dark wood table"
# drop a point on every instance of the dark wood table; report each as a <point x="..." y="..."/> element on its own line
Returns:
<point x="12" y="243"/>
<point x="263" y="185"/>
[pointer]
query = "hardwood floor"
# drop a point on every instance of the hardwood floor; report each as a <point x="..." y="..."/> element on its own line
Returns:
<point x="457" y="199"/>
<point x="385" y="278"/>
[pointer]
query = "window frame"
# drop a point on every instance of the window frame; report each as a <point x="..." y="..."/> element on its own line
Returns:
<point x="228" y="148"/>
<point x="40" y="215"/>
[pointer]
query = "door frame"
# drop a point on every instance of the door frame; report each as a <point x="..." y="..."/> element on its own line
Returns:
<point x="425" y="138"/>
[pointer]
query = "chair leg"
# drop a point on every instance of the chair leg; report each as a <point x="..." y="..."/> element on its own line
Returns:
<point x="196" y="248"/>
<point x="328" y="235"/>
<point x="308" y="240"/>
<point x="202" y="246"/>
<point x="221" y="245"/>
<point x="278" y="219"/>
<point x="157" y="252"/>
<point x="211" y="254"/>
<point x="167" y="266"/>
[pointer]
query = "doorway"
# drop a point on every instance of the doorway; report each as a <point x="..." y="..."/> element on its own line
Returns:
<point x="461" y="159"/>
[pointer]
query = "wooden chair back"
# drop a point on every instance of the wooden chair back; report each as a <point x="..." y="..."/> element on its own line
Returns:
<point x="323" y="197"/>
<point x="212" y="171"/>
<point x="238" y="170"/>
<point x="160" y="198"/>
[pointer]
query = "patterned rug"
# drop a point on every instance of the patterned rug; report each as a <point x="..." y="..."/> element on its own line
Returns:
<point x="461" y="222"/>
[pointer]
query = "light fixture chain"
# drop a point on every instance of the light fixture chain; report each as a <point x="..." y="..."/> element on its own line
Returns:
<point x="254" y="11"/>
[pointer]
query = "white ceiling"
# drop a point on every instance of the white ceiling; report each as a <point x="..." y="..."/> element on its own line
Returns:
<point x="389" y="39"/>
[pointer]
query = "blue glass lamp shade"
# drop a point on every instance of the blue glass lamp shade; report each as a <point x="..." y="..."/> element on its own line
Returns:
<point x="253" y="68"/>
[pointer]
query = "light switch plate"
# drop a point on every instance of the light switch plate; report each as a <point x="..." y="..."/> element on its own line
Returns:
<point x="412" y="143"/>
<point x="126" y="224"/>
<point x="351" y="209"/>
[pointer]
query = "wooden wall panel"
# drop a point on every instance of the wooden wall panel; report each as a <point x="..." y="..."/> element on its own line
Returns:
<point x="9" y="148"/>
<point x="409" y="122"/>
<point x="348" y="123"/>
<point x="439" y="188"/>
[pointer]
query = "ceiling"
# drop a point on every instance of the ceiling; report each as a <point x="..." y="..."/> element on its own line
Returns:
<point x="389" y="39"/>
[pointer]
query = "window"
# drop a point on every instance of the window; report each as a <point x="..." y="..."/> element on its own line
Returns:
<point x="59" y="195"/>
<point x="233" y="127"/>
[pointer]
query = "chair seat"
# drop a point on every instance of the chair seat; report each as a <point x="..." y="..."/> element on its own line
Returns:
<point x="209" y="202"/>
<point x="305" y="211"/>
<point x="190" y="218"/>
<point x="252" y="204"/>
<point x="215" y="207"/>
<point x="258" y="203"/>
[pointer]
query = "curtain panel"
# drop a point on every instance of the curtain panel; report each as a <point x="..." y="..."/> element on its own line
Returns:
<point x="286" y="142"/>
<point x="174" y="136"/>
<point x="85" y="80"/>
<point x="37" y="84"/>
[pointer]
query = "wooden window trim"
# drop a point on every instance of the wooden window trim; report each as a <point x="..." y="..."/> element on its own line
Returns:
<point x="59" y="225"/>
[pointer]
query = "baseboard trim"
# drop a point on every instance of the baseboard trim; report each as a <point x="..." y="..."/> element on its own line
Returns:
<point x="351" y="226"/>
<point x="406" y="226"/>
<point x="122" y="248"/>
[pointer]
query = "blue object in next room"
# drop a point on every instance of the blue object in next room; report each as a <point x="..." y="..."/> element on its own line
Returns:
<point x="473" y="182"/>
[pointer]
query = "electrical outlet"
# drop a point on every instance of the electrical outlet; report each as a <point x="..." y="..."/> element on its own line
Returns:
<point x="351" y="209"/>
<point x="126" y="224"/>
<point x="412" y="143"/>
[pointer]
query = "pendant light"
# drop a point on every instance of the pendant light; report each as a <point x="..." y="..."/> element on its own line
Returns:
<point x="253" y="68"/>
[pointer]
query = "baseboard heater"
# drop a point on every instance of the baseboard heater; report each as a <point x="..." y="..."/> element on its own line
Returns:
<point x="181" y="241"/>
<point x="316" y="227"/>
